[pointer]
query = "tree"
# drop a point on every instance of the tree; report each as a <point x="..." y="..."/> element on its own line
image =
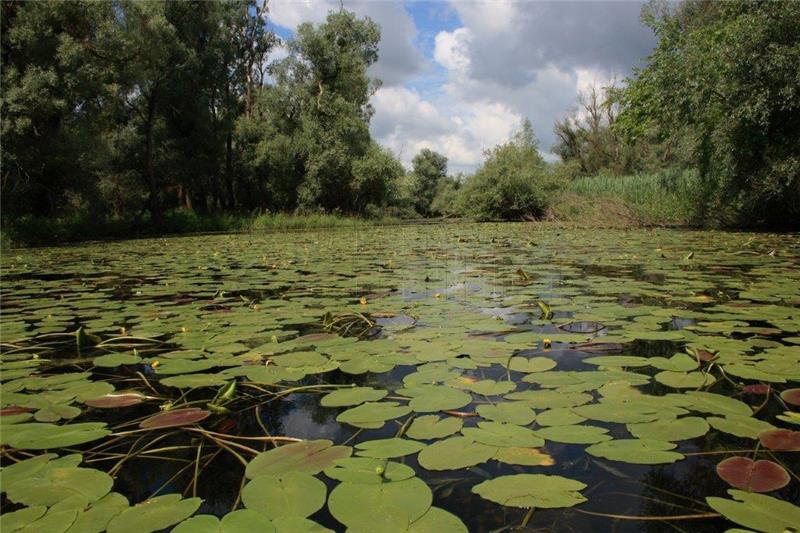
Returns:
<point x="429" y="169"/>
<point x="727" y="72"/>
<point x="512" y="183"/>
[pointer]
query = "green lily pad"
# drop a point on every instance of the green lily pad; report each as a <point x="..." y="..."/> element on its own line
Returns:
<point x="757" y="511"/>
<point x="561" y="416"/>
<point x="40" y="436"/>
<point x="499" y="434"/>
<point x="241" y="521"/>
<point x="368" y="470"/>
<point x="192" y="381"/>
<point x="95" y="519"/>
<point x="454" y="453"/>
<point x="532" y="490"/>
<point x="637" y="451"/>
<point x="511" y="412"/>
<point x="433" y="427"/>
<point x="741" y="426"/>
<point x="372" y="415"/>
<point x="360" y="503"/>
<point x="670" y="429"/>
<point x="154" y="514"/>
<point x="431" y="398"/>
<point x="577" y="434"/>
<point x="684" y="380"/>
<point x="116" y="359"/>
<point x="388" y="448"/>
<point x="290" y="494"/>
<point x="311" y="456"/>
<point x="353" y="396"/>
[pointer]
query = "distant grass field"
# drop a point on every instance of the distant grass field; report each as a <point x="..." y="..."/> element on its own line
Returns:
<point x="668" y="198"/>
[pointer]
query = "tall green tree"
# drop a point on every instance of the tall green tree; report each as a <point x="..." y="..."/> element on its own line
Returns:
<point x="728" y="72"/>
<point x="429" y="169"/>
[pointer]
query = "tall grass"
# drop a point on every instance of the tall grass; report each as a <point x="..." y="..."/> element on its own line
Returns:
<point x="664" y="198"/>
<point x="290" y="221"/>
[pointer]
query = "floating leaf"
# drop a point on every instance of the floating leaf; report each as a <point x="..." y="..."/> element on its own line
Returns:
<point x="154" y="514"/>
<point x="757" y="511"/>
<point x="618" y="360"/>
<point x="368" y="470"/>
<point x="753" y="476"/>
<point x="510" y="412"/>
<point x="175" y="418"/>
<point x="574" y="434"/>
<point x="523" y="456"/>
<point x="241" y="521"/>
<point x="670" y="429"/>
<point x="290" y="494"/>
<point x="561" y="416"/>
<point x="791" y="396"/>
<point x="114" y="401"/>
<point x="531" y="364"/>
<point x="388" y="448"/>
<point x="311" y="456"/>
<point x="362" y="503"/>
<point x="638" y="451"/>
<point x="454" y="453"/>
<point x="12" y="521"/>
<point x="35" y="436"/>
<point x="53" y="484"/>
<point x="707" y="402"/>
<point x="683" y="380"/>
<point x="783" y="440"/>
<point x="532" y="490"/>
<point x="431" y="398"/>
<point x="500" y="434"/>
<point x="353" y="396"/>
<point x="373" y="415"/>
<point x="95" y="519"/>
<point x="116" y="359"/>
<point x="433" y="427"/>
<point x="741" y="426"/>
<point x="191" y="381"/>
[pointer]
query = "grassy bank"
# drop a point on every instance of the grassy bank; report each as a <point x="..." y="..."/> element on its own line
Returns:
<point x="50" y="231"/>
<point x="662" y="199"/>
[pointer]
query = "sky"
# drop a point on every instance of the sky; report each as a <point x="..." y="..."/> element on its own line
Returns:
<point x="460" y="76"/>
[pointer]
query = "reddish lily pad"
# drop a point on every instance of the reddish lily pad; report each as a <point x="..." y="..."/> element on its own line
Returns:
<point x="112" y="401"/>
<point x="783" y="440"/>
<point x="757" y="388"/>
<point x="791" y="396"/>
<point x="175" y="417"/>
<point x="15" y="410"/>
<point x="753" y="476"/>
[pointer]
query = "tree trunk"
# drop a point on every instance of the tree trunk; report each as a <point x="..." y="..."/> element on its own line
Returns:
<point x="153" y="204"/>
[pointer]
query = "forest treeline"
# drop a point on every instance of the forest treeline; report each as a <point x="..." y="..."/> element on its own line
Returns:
<point x="131" y="110"/>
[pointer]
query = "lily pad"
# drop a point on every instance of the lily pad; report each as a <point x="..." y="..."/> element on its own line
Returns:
<point x="433" y="427"/>
<point x="532" y="490"/>
<point x="454" y="453"/>
<point x="353" y="396"/>
<point x="753" y="476"/>
<point x="500" y="434"/>
<point x="741" y="426"/>
<point x="154" y="514"/>
<point x="290" y="494"/>
<point x="241" y="521"/>
<point x="114" y="401"/>
<point x="757" y="511"/>
<point x="175" y="418"/>
<point x="40" y="436"/>
<point x="359" y="503"/>
<point x="372" y="415"/>
<point x="637" y="451"/>
<point x="510" y="412"/>
<point x="783" y="440"/>
<point x="671" y="430"/>
<point x="311" y="456"/>
<point x="578" y="434"/>
<point x="388" y="448"/>
<point x="368" y="470"/>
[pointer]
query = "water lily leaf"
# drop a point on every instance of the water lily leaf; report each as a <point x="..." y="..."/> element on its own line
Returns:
<point x="683" y="380"/>
<point x="154" y="514"/>
<point x="707" y="402"/>
<point x="16" y="520"/>
<point x="290" y="494"/>
<point x="433" y="427"/>
<point x="532" y="490"/>
<point x="311" y="456"/>
<point x="523" y="456"/>
<point x="511" y="412"/>
<point x="295" y="524"/>
<point x="454" y="453"/>
<point x="116" y="359"/>
<point x="113" y="401"/>
<point x="368" y="470"/>
<point x="437" y="520"/>
<point x="753" y="476"/>
<point x="783" y="440"/>
<point x="241" y="521"/>
<point x="431" y="398"/>
<point x="637" y="451"/>
<point x="353" y="396"/>
<point x="619" y="412"/>
<point x="618" y="361"/>
<point x="52" y="484"/>
<point x="175" y="418"/>
<point x="547" y="399"/>
<point x="561" y="416"/>
<point x="499" y="434"/>
<point x="791" y="396"/>
<point x="95" y="519"/>
<point x="531" y="364"/>
<point x="373" y="415"/>
<point x="741" y="426"/>
<point x="53" y="522"/>
<point x="574" y="434"/>
<point x="41" y="436"/>
<point x="362" y="503"/>
<point x="671" y="430"/>
<point x="485" y="387"/>
<point x="757" y="511"/>
<point x="679" y="362"/>
<point x="388" y="448"/>
<point x="191" y="381"/>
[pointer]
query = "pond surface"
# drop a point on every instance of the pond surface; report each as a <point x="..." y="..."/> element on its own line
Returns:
<point x="416" y="378"/>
